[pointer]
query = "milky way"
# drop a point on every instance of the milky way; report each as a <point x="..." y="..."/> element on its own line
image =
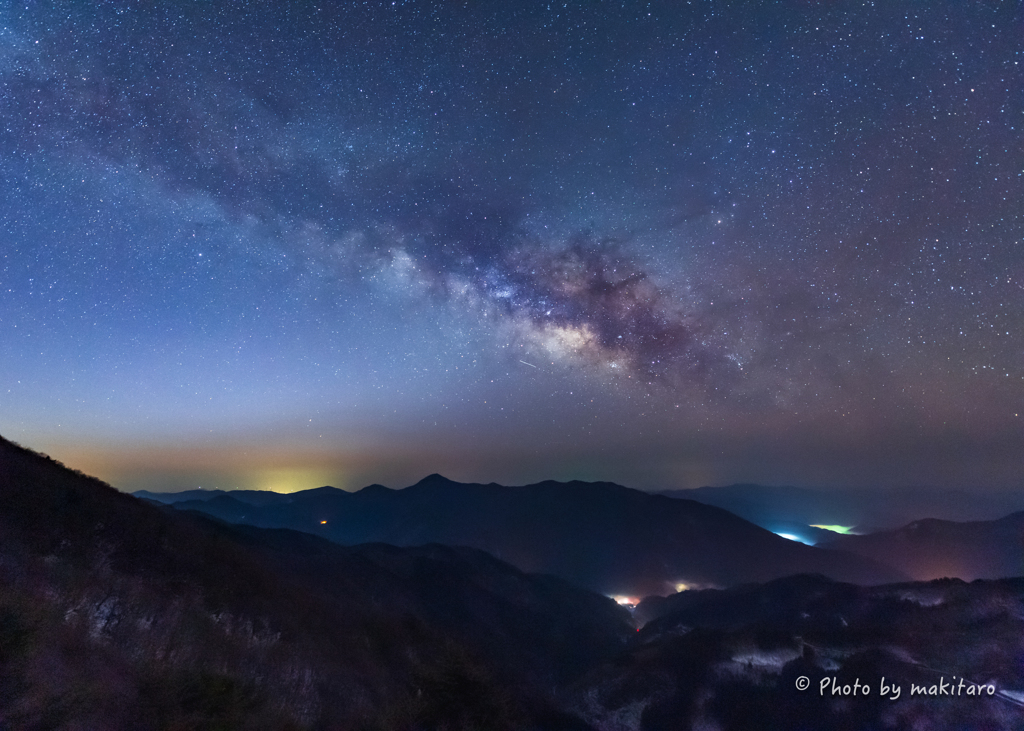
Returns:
<point x="664" y="243"/>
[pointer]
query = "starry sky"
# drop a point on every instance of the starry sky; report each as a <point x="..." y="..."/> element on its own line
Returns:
<point x="670" y="244"/>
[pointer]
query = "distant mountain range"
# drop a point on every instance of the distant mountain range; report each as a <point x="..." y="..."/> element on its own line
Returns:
<point x="117" y="613"/>
<point x="793" y="509"/>
<point x="250" y="497"/>
<point x="602" y="536"/>
<point x="933" y="549"/>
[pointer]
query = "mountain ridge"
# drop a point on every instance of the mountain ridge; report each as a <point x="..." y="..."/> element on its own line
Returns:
<point x="931" y="548"/>
<point x="607" y="537"/>
<point x="115" y="613"/>
<point x="789" y="508"/>
<point x="118" y="614"/>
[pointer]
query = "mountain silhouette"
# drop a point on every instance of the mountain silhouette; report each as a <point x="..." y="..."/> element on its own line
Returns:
<point x="250" y="497"/>
<point x="794" y="509"/>
<point x="600" y="535"/>
<point x="934" y="549"/>
<point x="118" y="614"/>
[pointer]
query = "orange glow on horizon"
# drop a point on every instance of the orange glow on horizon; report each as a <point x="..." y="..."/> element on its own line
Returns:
<point x="279" y="468"/>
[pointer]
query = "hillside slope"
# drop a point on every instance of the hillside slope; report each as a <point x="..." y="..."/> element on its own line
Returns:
<point x="115" y="613"/>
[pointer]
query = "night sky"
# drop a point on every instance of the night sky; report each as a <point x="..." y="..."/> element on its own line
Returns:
<point x="669" y="244"/>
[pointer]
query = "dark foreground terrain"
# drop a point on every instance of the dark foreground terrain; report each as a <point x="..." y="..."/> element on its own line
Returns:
<point x="119" y="614"/>
<point x="949" y="653"/>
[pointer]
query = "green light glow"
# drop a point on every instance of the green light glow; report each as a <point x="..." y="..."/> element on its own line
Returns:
<point x="844" y="529"/>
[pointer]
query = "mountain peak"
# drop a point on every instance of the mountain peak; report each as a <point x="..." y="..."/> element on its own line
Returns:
<point x="374" y="489"/>
<point x="435" y="479"/>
